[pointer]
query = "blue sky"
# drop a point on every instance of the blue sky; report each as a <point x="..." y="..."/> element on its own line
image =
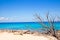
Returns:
<point x="23" y="10"/>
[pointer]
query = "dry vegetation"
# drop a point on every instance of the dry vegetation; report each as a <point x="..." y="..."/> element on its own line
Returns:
<point x="48" y="30"/>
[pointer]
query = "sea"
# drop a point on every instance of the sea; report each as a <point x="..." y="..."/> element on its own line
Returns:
<point x="26" y="25"/>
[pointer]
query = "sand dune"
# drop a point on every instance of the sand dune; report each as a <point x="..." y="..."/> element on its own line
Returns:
<point x="11" y="36"/>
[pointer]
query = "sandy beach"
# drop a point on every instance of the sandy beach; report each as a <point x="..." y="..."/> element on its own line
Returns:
<point x="8" y="35"/>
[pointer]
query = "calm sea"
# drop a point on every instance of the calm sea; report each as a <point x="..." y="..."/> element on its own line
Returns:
<point x="25" y="25"/>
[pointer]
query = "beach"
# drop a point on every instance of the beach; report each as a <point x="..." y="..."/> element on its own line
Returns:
<point x="23" y="35"/>
<point x="29" y="19"/>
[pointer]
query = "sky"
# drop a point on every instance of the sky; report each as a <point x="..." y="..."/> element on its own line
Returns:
<point x="24" y="10"/>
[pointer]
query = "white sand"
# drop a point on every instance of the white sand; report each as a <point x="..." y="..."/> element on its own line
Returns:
<point x="11" y="36"/>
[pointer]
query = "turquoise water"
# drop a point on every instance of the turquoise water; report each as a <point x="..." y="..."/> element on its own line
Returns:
<point x="25" y="25"/>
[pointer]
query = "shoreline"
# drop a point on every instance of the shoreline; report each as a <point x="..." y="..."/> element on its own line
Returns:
<point x="24" y="33"/>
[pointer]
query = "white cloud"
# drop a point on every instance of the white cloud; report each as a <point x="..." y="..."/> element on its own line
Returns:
<point x="3" y="18"/>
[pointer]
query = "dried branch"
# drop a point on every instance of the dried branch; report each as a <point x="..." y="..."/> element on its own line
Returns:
<point x="40" y="21"/>
<point x="49" y="29"/>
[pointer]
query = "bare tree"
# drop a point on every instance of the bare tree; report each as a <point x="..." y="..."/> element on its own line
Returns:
<point x="48" y="29"/>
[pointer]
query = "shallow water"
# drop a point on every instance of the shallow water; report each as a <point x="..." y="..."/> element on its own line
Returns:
<point x="25" y="25"/>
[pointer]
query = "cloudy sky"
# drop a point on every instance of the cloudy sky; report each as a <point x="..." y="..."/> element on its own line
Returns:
<point x="23" y="10"/>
